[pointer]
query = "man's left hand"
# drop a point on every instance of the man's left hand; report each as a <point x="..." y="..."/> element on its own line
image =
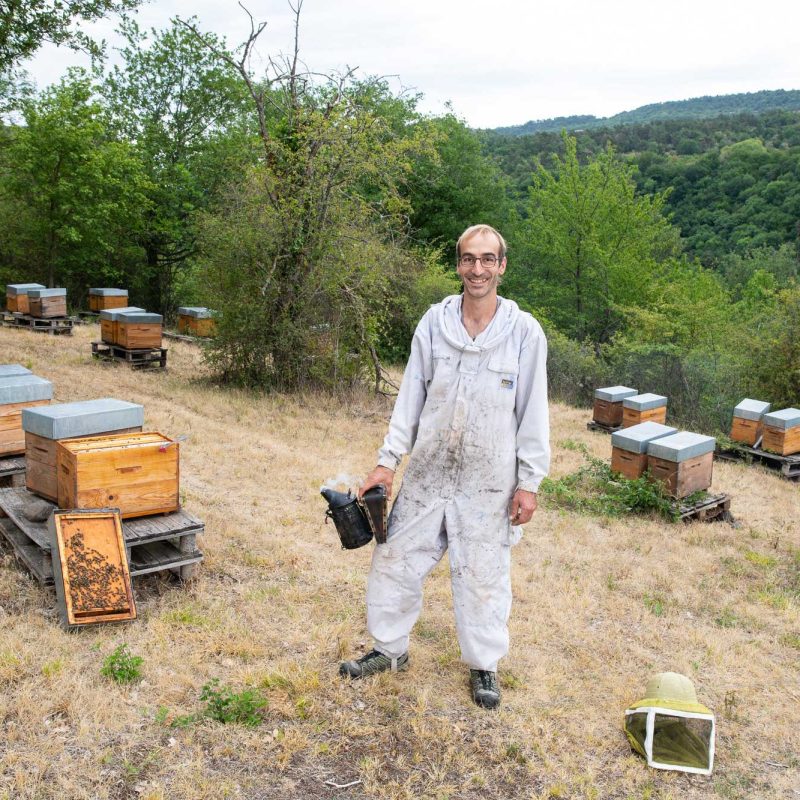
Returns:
<point x="523" y="504"/>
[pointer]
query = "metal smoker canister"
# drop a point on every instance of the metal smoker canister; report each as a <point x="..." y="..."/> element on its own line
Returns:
<point x="351" y="523"/>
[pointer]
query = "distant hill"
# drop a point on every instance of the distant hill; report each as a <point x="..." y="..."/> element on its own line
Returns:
<point x="696" y="108"/>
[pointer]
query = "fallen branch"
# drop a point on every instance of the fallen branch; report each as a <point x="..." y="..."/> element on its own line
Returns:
<point x="342" y="785"/>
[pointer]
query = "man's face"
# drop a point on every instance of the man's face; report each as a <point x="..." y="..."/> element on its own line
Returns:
<point x="480" y="279"/>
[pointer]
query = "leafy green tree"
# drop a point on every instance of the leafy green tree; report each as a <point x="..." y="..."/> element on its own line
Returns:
<point x="186" y="112"/>
<point x="27" y="24"/>
<point x="456" y="186"/>
<point x="72" y="195"/>
<point x="591" y="246"/>
<point x="306" y="252"/>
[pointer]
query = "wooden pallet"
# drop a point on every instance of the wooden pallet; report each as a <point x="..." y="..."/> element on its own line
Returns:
<point x="182" y="337"/>
<point x="53" y="325"/>
<point x="599" y="426"/>
<point x="714" y="508"/>
<point x="788" y="466"/>
<point x="147" y="358"/>
<point x="12" y="471"/>
<point x="160" y="542"/>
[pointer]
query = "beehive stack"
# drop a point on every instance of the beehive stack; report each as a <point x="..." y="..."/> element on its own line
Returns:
<point x="629" y="447"/>
<point x="108" y="322"/>
<point x="196" y="321"/>
<point x="138" y="330"/>
<point x="47" y="303"/>
<point x="782" y="431"/>
<point x="102" y="299"/>
<point x="19" y="392"/>
<point x="747" y="424"/>
<point x="46" y="427"/>
<point x="608" y="404"/>
<point x="646" y="407"/>
<point x="683" y="462"/>
<point x="17" y="296"/>
<point x="137" y="473"/>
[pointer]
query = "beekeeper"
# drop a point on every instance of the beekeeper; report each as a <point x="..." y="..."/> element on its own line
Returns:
<point x="472" y="411"/>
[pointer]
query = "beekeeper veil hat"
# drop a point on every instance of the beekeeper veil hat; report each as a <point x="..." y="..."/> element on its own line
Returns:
<point x="670" y="728"/>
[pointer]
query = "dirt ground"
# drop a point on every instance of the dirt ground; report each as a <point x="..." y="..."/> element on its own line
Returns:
<point x="599" y="606"/>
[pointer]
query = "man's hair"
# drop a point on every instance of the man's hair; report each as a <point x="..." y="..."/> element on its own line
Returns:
<point x="475" y="230"/>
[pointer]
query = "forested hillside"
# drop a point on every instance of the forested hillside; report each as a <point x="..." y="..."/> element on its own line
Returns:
<point x="696" y="108"/>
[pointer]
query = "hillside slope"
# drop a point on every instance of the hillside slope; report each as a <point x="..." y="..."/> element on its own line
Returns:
<point x="695" y="108"/>
<point x="599" y="606"/>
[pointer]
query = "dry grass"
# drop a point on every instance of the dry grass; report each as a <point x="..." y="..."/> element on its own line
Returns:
<point x="599" y="606"/>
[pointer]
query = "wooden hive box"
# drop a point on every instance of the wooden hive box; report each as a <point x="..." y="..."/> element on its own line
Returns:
<point x="136" y="472"/>
<point x="90" y="567"/>
<point x="102" y="299"/>
<point x="683" y="462"/>
<point x="608" y="404"/>
<point x="646" y="407"/>
<point x="196" y="321"/>
<point x="782" y="431"/>
<point x="138" y="330"/>
<point x="18" y="392"/>
<point x="17" y="296"/>
<point x="45" y="427"/>
<point x="747" y="426"/>
<point x="629" y="447"/>
<point x="108" y="322"/>
<point x="47" y="303"/>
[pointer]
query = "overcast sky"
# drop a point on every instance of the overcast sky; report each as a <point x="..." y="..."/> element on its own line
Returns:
<point x="505" y="62"/>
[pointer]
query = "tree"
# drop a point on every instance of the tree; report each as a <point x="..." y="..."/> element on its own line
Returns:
<point x="185" y="110"/>
<point x="456" y="186"/>
<point x="73" y="195"/>
<point x="304" y="251"/>
<point x="591" y="245"/>
<point x="27" y="24"/>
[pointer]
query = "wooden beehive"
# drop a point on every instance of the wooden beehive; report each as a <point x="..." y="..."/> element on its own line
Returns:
<point x="44" y="428"/>
<point x="138" y="330"/>
<point x="47" y="303"/>
<point x="196" y="321"/>
<point x="108" y="322"/>
<point x="104" y="299"/>
<point x="683" y="462"/>
<point x="629" y="447"/>
<point x="90" y="567"/>
<point x="18" y="392"/>
<point x="782" y="432"/>
<point x="747" y="425"/>
<point x="607" y="408"/>
<point x="136" y="472"/>
<point x="17" y="296"/>
<point x="646" y="407"/>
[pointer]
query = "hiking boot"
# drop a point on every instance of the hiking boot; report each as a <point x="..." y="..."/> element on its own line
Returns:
<point x="485" y="689"/>
<point x="372" y="663"/>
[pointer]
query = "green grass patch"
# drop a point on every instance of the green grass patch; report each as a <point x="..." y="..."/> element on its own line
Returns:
<point x="594" y="489"/>
<point x="226" y="706"/>
<point x="122" y="666"/>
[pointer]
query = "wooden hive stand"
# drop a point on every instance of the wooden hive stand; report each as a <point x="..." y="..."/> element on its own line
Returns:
<point x="154" y="544"/>
<point x="145" y="358"/>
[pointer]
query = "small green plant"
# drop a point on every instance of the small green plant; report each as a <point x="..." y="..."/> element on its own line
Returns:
<point x="224" y="705"/>
<point x="727" y="619"/>
<point x="654" y="603"/>
<point x="121" y="666"/>
<point x="594" y="489"/>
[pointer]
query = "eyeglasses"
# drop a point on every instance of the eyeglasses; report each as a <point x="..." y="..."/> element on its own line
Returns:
<point x="488" y="260"/>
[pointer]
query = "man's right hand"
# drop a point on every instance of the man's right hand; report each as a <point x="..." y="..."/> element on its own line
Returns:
<point x="382" y="475"/>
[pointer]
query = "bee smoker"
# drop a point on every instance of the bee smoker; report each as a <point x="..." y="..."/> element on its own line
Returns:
<point x="357" y="521"/>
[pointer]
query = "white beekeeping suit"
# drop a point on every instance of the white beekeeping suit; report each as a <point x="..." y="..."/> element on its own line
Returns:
<point x="473" y="415"/>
